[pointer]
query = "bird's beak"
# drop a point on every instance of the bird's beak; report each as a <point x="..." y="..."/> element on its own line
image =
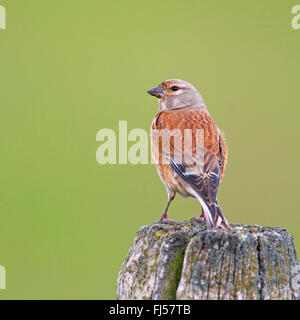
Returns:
<point x="156" y="92"/>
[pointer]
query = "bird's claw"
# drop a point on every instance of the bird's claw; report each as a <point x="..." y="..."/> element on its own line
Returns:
<point x="165" y="220"/>
<point x="199" y="219"/>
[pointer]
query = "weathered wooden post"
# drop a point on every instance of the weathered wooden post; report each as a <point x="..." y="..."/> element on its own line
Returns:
<point x="185" y="261"/>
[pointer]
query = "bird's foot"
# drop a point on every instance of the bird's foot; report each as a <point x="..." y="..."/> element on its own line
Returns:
<point x="199" y="219"/>
<point x="165" y="220"/>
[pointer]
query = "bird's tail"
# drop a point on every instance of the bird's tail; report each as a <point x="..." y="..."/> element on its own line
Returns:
<point x="214" y="217"/>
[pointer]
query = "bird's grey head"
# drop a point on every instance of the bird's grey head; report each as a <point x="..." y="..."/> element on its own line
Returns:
<point x="177" y="94"/>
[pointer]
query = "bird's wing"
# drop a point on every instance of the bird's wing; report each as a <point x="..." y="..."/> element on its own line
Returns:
<point x="205" y="183"/>
<point x="203" y="178"/>
<point x="198" y="161"/>
<point x="223" y="154"/>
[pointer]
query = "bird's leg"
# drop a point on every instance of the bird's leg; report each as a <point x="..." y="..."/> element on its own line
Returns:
<point x="201" y="218"/>
<point x="202" y="215"/>
<point x="164" y="218"/>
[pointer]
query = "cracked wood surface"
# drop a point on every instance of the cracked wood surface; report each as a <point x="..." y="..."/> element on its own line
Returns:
<point x="185" y="260"/>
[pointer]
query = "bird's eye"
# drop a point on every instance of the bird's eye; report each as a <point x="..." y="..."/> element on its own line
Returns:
<point x="174" y="88"/>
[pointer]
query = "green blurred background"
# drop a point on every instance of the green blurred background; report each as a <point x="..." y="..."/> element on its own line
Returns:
<point x="69" y="68"/>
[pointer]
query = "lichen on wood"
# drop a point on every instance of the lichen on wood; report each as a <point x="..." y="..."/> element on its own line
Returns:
<point x="185" y="260"/>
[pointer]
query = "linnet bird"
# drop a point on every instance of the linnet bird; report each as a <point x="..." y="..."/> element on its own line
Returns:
<point x="181" y="110"/>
